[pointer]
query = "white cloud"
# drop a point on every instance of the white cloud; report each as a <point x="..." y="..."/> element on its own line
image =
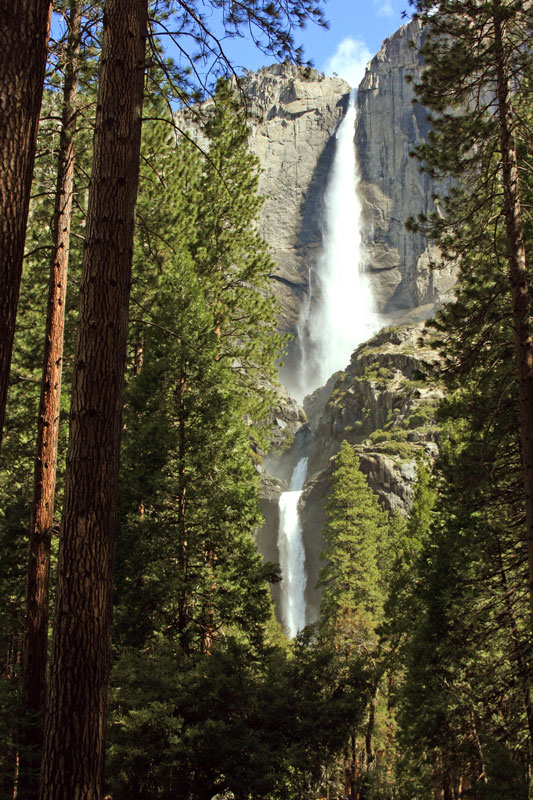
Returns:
<point x="349" y="61"/>
<point x="385" y="8"/>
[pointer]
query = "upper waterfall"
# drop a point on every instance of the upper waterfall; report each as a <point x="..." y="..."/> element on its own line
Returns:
<point x="339" y="312"/>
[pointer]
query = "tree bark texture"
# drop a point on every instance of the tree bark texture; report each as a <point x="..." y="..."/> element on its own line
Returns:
<point x="38" y="570"/>
<point x="73" y="757"/>
<point x="518" y="277"/>
<point x="24" y="28"/>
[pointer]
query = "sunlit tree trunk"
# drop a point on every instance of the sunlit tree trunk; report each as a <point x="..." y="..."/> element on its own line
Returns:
<point x="24" y="28"/>
<point x="36" y="626"/>
<point x="74" y="748"/>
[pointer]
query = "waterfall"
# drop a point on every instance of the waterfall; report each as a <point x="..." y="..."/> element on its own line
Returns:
<point x="339" y="313"/>
<point x="292" y="553"/>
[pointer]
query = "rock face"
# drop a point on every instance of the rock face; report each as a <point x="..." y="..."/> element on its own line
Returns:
<point x="384" y="404"/>
<point x="294" y="115"/>
<point x="389" y="126"/>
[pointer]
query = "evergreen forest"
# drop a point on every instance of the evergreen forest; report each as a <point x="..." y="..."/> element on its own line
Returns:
<point x="140" y="655"/>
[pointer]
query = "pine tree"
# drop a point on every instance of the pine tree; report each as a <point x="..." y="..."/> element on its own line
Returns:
<point x="37" y="583"/>
<point x="477" y="82"/>
<point x="468" y="650"/>
<point x="188" y="472"/>
<point x="355" y="536"/>
<point x="232" y="259"/>
<point x="192" y="597"/>
<point x="353" y="584"/>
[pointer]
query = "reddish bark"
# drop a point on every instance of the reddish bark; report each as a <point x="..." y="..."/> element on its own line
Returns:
<point x="73" y="757"/>
<point x="24" y="28"/>
<point x="516" y="260"/>
<point x="36" y="627"/>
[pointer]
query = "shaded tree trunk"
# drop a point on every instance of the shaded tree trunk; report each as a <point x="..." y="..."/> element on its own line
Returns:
<point x="519" y="654"/>
<point x="24" y="28"/>
<point x="73" y="757"/>
<point x="36" y="626"/>
<point x="516" y="259"/>
<point x="183" y="601"/>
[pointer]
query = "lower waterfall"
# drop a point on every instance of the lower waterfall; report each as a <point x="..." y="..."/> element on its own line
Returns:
<point x="292" y="553"/>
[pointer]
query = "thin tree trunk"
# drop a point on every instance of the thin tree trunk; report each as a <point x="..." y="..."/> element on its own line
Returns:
<point x="516" y="259"/>
<point x="183" y="603"/>
<point x="73" y="757"/>
<point x="11" y="661"/>
<point x="36" y="628"/>
<point x="353" y="766"/>
<point x="520" y="656"/>
<point x="24" y="28"/>
<point x="209" y="604"/>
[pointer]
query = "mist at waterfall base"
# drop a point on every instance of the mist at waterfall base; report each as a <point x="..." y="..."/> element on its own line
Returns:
<point x="339" y="313"/>
<point x="292" y="554"/>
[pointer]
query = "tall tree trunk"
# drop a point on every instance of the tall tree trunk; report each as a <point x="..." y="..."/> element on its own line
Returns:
<point x="24" y="28"/>
<point x="183" y="600"/>
<point x="73" y="757"/>
<point x="36" y="627"/>
<point x="516" y="259"/>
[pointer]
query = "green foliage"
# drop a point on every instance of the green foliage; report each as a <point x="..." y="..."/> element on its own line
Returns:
<point x="187" y="561"/>
<point x="20" y="433"/>
<point x="358" y="536"/>
<point x="199" y="701"/>
<point x="355" y="535"/>
<point x="256" y="725"/>
<point x="232" y="259"/>
<point x="464" y="704"/>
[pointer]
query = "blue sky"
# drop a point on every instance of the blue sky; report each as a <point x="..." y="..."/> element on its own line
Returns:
<point x="357" y="28"/>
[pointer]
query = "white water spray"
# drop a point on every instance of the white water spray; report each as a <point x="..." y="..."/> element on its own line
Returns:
<point x="292" y="553"/>
<point x="340" y="312"/>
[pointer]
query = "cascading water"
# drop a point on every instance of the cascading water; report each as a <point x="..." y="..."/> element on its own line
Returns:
<point x="339" y="313"/>
<point x="338" y="316"/>
<point x="292" y="553"/>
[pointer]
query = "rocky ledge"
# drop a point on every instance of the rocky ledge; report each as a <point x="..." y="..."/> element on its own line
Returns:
<point x="384" y="404"/>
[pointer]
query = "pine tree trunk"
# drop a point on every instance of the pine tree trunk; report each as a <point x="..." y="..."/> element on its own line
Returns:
<point x="183" y="600"/>
<point x="519" y="654"/>
<point x="24" y="27"/>
<point x="73" y="757"/>
<point x="516" y="258"/>
<point x="36" y="628"/>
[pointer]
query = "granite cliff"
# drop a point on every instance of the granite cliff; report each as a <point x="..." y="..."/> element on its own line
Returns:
<point x="384" y="403"/>
<point x="294" y="115"/>
<point x="390" y="125"/>
<point x="293" y="119"/>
